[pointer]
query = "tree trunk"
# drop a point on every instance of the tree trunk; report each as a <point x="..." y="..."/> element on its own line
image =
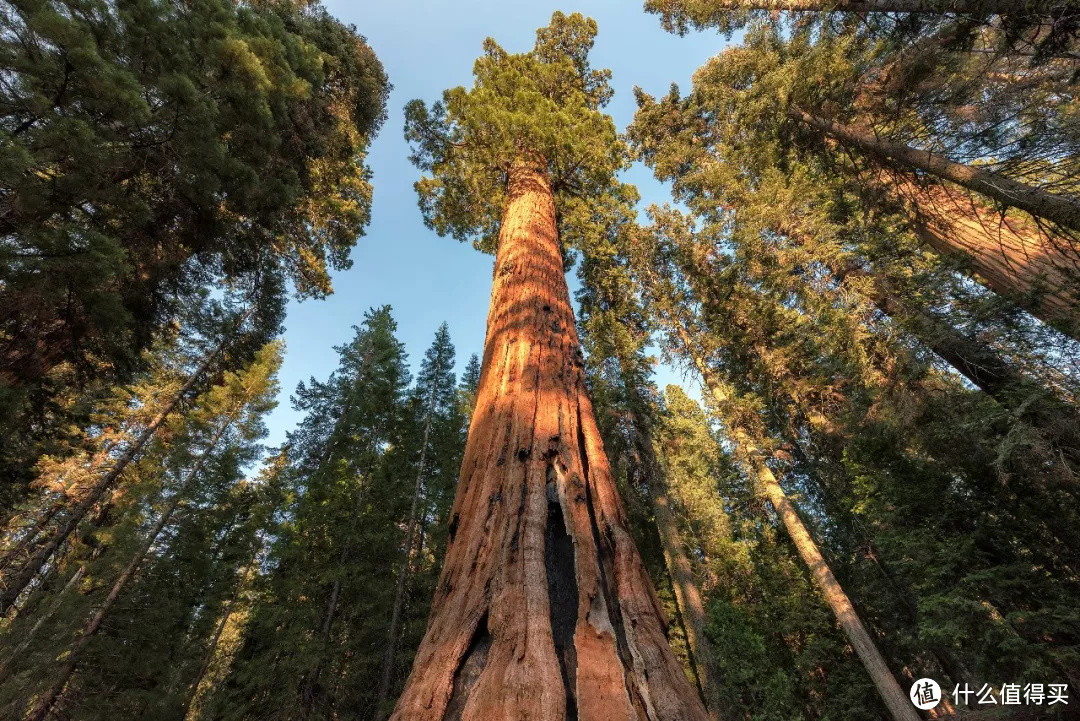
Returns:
<point x="403" y="574"/>
<point x="1008" y="256"/>
<point x="1056" y="420"/>
<point x="686" y="593"/>
<point x="897" y="702"/>
<point x="309" y="689"/>
<point x="33" y="565"/>
<point x="208" y="659"/>
<point x="45" y="704"/>
<point x="894" y="697"/>
<point x="936" y="7"/>
<point x="543" y="609"/>
<point x="1063" y="211"/>
<point x="5" y="665"/>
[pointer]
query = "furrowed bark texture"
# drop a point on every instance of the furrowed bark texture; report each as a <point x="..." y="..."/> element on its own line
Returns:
<point x="544" y="610"/>
<point x="1056" y="208"/>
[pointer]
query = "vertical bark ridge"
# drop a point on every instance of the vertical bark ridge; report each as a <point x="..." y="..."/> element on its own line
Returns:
<point x="527" y="552"/>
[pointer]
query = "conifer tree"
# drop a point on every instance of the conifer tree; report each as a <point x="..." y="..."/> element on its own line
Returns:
<point x="201" y="471"/>
<point x="323" y="613"/>
<point x="470" y="381"/>
<point x="436" y="396"/>
<point x="817" y="384"/>
<point x="746" y="439"/>
<point x="544" y="607"/>
<point x="37" y="545"/>
<point x="149" y="149"/>
<point x="615" y="331"/>
<point x="826" y="231"/>
<point x="911" y="146"/>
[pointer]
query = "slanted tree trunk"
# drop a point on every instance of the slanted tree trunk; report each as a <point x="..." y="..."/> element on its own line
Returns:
<point x="1011" y="257"/>
<point x="406" y="563"/>
<point x="309" y="689"/>
<point x="13" y="584"/>
<point x="5" y="665"/>
<point x="211" y="650"/>
<point x="543" y="609"/>
<point x="746" y="452"/>
<point x="1056" y="420"/>
<point x="896" y="700"/>
<point x="1058" y="209"/>
<point x="687" y="594"/>
<point x="44" y="705"/>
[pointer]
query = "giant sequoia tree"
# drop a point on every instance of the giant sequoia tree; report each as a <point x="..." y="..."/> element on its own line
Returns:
<point x="544" y="607"/>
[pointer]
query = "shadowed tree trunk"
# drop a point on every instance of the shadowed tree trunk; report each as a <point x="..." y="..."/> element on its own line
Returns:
<point x="211" y="649"/>
<point x="895" y="699"/>
<point x="1058" y="209"/>
<point x="1011" y="257"/>
<point x="15" y="583"/>
<point x="44" y="705"/>
<point x="543" y="609"/>
<point x="687" y="595"/>
<point x="1055" y="419"/>
<point x="310" y="688"/>
<point x="5" y="665"/>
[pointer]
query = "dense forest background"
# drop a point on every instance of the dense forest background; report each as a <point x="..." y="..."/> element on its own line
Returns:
<point x="831" y="342"/>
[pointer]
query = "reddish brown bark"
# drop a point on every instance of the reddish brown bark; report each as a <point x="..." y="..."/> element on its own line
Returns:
<point x="544" y="610"/>
<point x="1007" y="255"/>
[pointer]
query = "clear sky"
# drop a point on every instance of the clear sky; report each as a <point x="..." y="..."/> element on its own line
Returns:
<point x="427" y="46"/>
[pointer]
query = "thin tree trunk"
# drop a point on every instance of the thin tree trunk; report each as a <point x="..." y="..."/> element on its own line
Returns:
<point x="1013" y="258"/>
<point x="48" y="700"/>
<point x="895" y="699"/>
<point x="897" y="702"/>
<point x="403" y="574"/>
<point x="210" y="651"/>
<point x="543" y="609"/>
<point x="687" y="594"/>
<point x="1061" y="210"/>
<point x="309" y="688"/>
<point x="29" y="570"/>
<point x="1056" y="420"/>
<point x="25" y="643"/>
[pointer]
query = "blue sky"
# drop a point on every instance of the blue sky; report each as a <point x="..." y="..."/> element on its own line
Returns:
<point x="427" y="46"/>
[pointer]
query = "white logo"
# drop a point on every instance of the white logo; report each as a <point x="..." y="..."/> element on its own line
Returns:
<point x="925" y="694"/>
